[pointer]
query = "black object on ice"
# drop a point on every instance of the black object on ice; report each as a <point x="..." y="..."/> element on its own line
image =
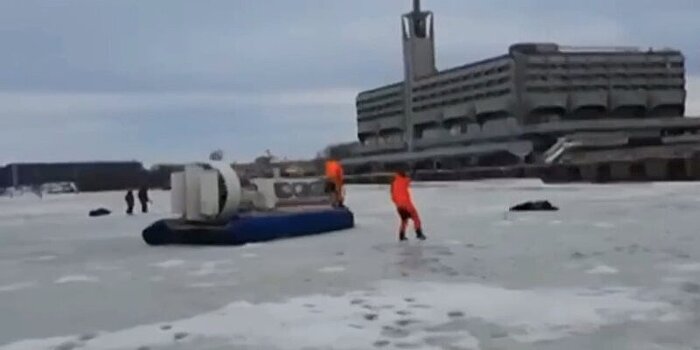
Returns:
<point x="535" y="206"/>
<point x="99" y="212"/>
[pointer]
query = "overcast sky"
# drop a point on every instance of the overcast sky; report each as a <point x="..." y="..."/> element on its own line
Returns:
<point x="171" y="80"/>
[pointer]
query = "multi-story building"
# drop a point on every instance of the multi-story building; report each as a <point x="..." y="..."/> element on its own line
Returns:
<point x="522" y="100"/>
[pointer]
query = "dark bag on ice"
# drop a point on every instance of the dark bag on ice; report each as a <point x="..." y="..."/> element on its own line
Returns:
<point x="535" y="206"/>
<point x="99" y="212"/>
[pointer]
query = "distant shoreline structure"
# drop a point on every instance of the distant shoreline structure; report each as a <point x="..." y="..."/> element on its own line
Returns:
<point x="113" y="176"/>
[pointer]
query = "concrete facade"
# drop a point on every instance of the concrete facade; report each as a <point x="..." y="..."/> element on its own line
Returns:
<point x="531" y="85"/>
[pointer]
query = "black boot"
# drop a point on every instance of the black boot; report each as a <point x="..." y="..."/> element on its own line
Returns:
<point x="420" y="235"/>
<point x="402" y="236"/>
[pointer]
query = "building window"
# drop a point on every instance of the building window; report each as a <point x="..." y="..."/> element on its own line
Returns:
<point x="535" y="77"/>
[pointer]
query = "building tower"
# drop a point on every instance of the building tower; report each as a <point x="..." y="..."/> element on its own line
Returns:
<point x="418" y="57"/>
<point x="418" y="43"/>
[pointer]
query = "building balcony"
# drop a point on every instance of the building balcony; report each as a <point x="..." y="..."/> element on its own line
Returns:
<point x="433" y="116"/>
<point x="377" y="148"/>
<point x="658" y="98"/>
<point x="620" y="99"/>
<point x="463" y="111"/>
<point x="391" y="123"/>
<point x="546" y="100"/>
<point x="588" y="99"/>
<point x="367" y="127"/>
<point x="494" y="105"/>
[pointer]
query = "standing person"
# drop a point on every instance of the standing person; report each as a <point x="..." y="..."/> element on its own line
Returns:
<point x="143" y="198"/>
<point x="401" y="196"/>
<point x="334" y="182"/>
<point x="129" y="198"/>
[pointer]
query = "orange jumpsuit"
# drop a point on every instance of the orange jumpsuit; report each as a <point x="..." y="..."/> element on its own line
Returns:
<point x="334" y="176"/>
<point x="401" y="196"/>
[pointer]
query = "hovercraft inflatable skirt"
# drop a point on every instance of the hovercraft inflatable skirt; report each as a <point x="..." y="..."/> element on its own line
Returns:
<point x="250" y="228"/>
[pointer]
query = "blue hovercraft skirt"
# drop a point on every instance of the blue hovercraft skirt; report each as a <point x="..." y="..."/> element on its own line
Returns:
<point x="250" y="228"/>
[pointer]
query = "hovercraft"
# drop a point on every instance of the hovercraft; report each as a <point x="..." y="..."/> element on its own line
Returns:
<point x="215" y="207"/>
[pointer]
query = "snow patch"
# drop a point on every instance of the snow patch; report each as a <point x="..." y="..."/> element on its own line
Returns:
<point x="603" y="270"/>
<point x="212" y="284"/>
<point x="675" y="280"/>
<point x="168" y="264"/>
<point x="603" y="225"/>
<point x="208" y="268"/>
<point x="523" y="315"/>
<point x="502" y="223"/>
<point x="76" y="279"/>
<point x="466" y="342"/>
<point x="692" y="267"/>
<point x="104" y="267"/>
<point x="16" y="286"/>
<point x="332" y="269"/>
<point x="249" y="255"/>
<point x="44" y="258"/>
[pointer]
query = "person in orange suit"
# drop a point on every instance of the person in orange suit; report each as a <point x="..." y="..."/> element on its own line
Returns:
<point x="401" y="196"/>
<point x="334" y="182"/>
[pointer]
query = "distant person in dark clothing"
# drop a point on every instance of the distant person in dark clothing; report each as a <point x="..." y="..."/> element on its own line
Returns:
<point x="143" y="198"/>
<point x="129" y="198"/>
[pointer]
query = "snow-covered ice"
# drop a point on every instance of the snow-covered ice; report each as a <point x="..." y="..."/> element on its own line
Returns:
<point x="691" y="267"/>
<point x="169" y="264"/>
<point x="76" y="279"/>
<point x="317" y="321"/>
<point x="213" y="268"/>
<point x="616" y="267"/>
<point x="603" y="270"/>
<point x="331" y="269"/>
<point x="16" y="286"/>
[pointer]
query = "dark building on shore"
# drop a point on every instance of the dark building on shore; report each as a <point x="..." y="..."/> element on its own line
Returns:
<point x="88" y="176"/>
